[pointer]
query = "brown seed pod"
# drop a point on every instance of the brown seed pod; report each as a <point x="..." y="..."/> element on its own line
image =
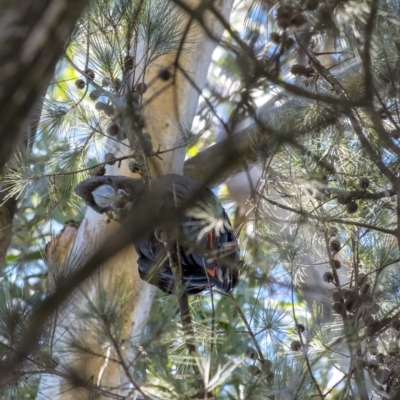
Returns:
<point x="117" y="85"/>
<point x="141" y="88"/>
<point x="113" y="129"/>
<point x="380" y="358"/>
<point x="362" y="280"/>
<point x="266" y="366"/>
<point x="275" y="37"/>
<point x="298" y="69"/>
<point x="251" y="353"/>
<point x="364" y="183"/>
<point x="347" y="292"/>
<point x="373" y="365"/>
<point x="135" y="98"/>
<point x="105" y="82"/>
<point x="335" y="245"/>
<point x="100" y="105"/>
<point x="352" y="207"/>
<point x="110" y="159"/>
<point x="147" y="144"/>
<point x="134" y="167"/>
<point x="343" y="199"/>
<point x="295" y="345"/>
<point x="98" y="171"/>
<point x="129" y="63"/>
<point x="311" y="5"/>
<point x="383" y="113"/>
<point x="80" y="83"/>
<point x="350" y="294"/>
<point x="283" y="15"/>
<point x="254" y="370"/>
<point x="382" y="376"/>
<point x="337" y="296"/>
<point x="164" y="74"/>
<point x="141" y="122"/>
<point x="298" y="19"/>
<point x="353" y="303"/>
<point x="337" y="264"/>
<point x="301" y="70"/>
<point x="352" y="300"/>
<point x="328" y="277"/>
<point x="107" y="109"/>
<point x="270" y="376"/>
<point x="288" y="43"/>
<point x="94" y="94"/>
<point x="89" y="73"/>
<point x="283" y="22"/>
<point x="300" y="328"/>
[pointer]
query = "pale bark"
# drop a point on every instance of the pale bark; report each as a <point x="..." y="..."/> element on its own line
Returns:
<point x="170" y="109"/>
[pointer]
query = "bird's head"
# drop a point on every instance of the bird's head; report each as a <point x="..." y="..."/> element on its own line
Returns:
<point x="105" y="193"/>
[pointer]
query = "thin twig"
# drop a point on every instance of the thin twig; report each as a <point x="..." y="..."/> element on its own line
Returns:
<point x="122" y="362"/>
<point x="352" y="115"/>
<point x="77" y="171"/>
<point x="304" y="349"/>
<point x="259" y="65"/>
<point x="328" y="219"/>
<point x="183" y="302"/>
<point x="248" y="327"/>
<point x="187" y="325"/>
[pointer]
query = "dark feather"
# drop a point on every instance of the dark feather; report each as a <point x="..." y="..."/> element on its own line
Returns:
<point x="204" y="242"/>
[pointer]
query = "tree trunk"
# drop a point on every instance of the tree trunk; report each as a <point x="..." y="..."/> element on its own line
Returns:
<point x="34" y="33"/>
<point x="173" y="107"/>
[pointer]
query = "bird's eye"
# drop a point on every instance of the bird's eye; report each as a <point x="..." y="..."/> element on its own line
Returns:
<point x="109" y="180"/>
<point x="104" y="196"/>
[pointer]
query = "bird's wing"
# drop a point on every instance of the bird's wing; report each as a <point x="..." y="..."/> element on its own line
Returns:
<point x="211" y="242"/>
<point x="154" y="268"/>
<point x="207" y="247"/>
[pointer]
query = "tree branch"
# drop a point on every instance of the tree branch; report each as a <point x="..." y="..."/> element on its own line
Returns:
<point x="328" y="219"/>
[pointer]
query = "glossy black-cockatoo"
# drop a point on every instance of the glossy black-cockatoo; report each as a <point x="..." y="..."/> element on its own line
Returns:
<point x="203" y="239"/>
